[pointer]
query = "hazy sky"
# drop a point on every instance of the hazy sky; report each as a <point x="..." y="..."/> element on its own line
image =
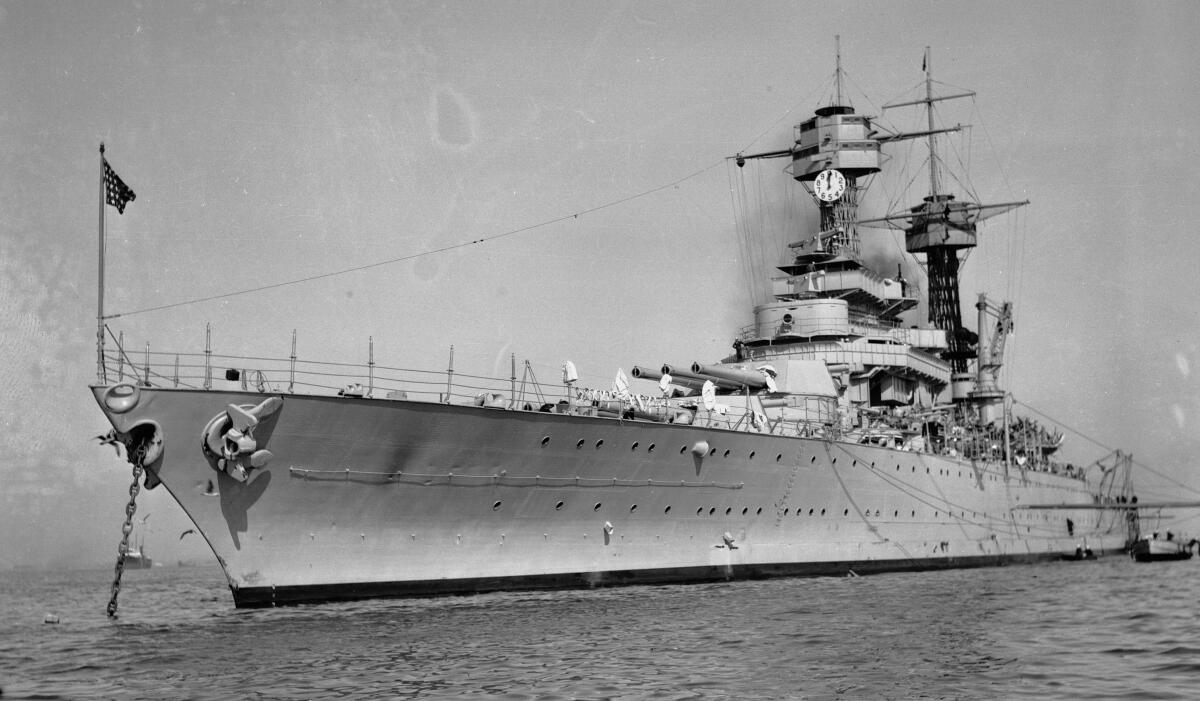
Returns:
<point x="270" y="142"/>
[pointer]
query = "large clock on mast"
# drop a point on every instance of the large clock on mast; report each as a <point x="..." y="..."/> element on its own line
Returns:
<point x="829" y="185"/>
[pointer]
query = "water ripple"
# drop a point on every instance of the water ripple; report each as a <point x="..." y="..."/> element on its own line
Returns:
<point x="1109" y="629"/>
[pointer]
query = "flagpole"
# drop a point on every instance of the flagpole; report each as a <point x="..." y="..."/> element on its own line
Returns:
<point x="101" y="375"/>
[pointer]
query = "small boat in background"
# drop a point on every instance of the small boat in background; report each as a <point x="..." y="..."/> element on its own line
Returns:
<point x="1155" y="549"/>
<point x="1082" y="552"/>
<point x="137" y="559"/>
<point x="135" y="554"/>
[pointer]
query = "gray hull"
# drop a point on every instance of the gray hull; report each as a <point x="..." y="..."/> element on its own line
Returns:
<point x="368" y="497"/>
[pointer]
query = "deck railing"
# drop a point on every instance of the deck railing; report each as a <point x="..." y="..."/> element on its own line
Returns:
<point x="208" y="370"/>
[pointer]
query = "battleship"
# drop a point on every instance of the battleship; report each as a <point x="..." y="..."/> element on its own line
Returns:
<point x="843" y="435"/>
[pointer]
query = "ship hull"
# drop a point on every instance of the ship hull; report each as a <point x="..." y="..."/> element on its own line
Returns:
<point x="368" y="498"/>
<point x="260" y="597"/>
<point x="138" y="563"/>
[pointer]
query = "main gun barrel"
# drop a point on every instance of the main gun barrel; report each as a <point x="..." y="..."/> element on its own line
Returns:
<point x="741" y="377"/>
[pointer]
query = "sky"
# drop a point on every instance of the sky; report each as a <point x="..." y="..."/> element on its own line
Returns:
<point x="271" y="142"/>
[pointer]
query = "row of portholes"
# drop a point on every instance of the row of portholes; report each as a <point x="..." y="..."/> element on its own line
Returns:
<point x="712" y="451"/>
<point x="728" y="511"/>
<point x="878" y="513"/>
<point x="913" y="468"/>
<point x="650" y="448"/>
<point x="558" y="506"/>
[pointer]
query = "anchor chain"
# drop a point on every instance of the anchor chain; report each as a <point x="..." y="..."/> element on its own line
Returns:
<point x="136" y="457"/>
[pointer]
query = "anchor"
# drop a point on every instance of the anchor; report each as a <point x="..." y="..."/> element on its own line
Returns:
<point x="229" y="440"/>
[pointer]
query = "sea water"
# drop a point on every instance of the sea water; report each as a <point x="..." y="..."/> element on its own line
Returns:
<point x="1065" y="630"/>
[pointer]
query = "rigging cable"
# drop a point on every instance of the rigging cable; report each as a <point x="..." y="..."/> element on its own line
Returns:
<point x="443" y="249"/>
<point x="1145" y="467"/>
<point x="939" y="502"/>
<point x="737" y="191"/>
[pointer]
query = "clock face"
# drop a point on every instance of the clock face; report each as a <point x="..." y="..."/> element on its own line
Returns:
<point x="829" y="185"/>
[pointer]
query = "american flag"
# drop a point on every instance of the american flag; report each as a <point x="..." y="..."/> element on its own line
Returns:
<point x="116" y="192"/>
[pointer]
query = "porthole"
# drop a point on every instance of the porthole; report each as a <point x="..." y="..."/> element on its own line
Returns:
<point x="785" y="512"/>
<point x="579" y="443"/>
<point x="822" y="512"/>
<point x="633" y="508"/>
<point x="758" y="512"/>
<point x="897" y="513"/>
<point x="745" y="510"/>
<point x="712" y="452"/>
<point x="650" y="448"/>
<point x="752" y="453"/>
<point x="812" y="459"/>
<point x="545" y="441"/>
<point x="914" y="514"/>
<point x="667" y="510"/>
<point x="712" y="511"/>
<point x="599" y="442"/>
<point x="496" y="506"/>
<point x="834" y="462"/>
<point x="700" y="511"/>
<point x="634" y="446"/>
<point x="558" y="506"/>
<point x="597" y="506"/>
<point x="779" y="457"/>
<point x="726" y="453"/>
<point x="810" y="512"/>
<point x="728" y="510"/>
<point x="845" y="512"/>
<point x="682" y="449"/>
<point x="853" y="463"/>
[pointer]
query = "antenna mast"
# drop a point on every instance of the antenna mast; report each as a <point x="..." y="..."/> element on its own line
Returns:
<point x="837" y="48"/>
<point x="933" y="178"/>
<point x="939" y="227"/>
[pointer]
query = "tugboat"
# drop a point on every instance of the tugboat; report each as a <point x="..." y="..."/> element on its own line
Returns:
<point x="844" y="434"/>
